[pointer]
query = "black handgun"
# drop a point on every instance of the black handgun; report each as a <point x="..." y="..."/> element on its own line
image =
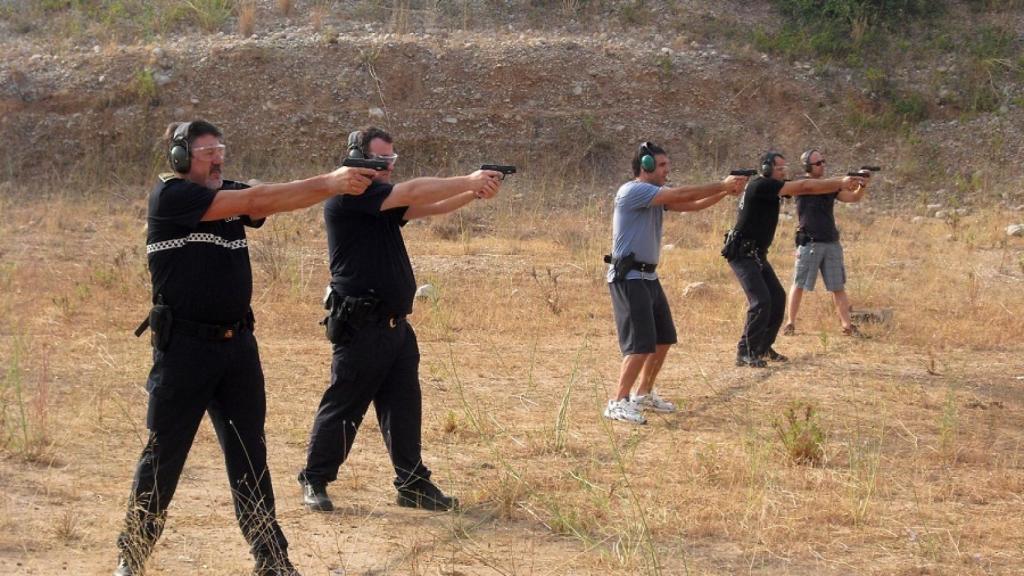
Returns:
<point x="505" y="169"/>
<point x="378" y="165"/>
<point x="865" y="171"/>
<point x="747" y="173"/>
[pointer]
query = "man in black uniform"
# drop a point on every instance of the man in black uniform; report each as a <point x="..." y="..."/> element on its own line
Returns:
<point x="205" y="357"/>
<point x="375" y="355"/>
<point x="818" y="246"/>
<point x="746" y="249"/>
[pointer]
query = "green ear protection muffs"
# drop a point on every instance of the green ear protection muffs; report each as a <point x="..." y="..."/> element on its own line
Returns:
<point x="180" y="154"/>
<point x="647" y="162"/>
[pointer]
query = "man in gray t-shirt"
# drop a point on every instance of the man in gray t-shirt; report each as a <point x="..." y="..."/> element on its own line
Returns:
<point x="642" y="315"/>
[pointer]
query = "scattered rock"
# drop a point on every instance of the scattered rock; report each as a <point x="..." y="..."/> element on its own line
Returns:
<point x="376" y="112"/>
<point x="871" y="315"/>
<point x="696" y="289"/>
<point x="426" y="292"/>
<point x="668" y="247"/>
<point x="941" y="213"/>
<point x="917" y="219"/>
<point x="1015" y="230"/>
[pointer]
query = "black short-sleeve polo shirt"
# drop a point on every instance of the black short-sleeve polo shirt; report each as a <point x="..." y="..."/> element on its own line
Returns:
<point x="758" y="214"/>
<point x="366" y="249"/>
<point x="200" y="268"/>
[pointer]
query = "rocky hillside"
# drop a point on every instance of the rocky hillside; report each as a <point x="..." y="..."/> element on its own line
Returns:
<point x="561" y="90"/>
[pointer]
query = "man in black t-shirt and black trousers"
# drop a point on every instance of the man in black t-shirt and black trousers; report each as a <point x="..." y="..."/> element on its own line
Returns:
<point x="205" y="357"/>
<point x="746" y="249"/>
<point x="818" y="246"/>
<point x="375" y="354"/>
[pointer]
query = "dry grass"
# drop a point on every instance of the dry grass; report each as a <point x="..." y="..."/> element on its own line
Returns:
<point x="921" y="469"/>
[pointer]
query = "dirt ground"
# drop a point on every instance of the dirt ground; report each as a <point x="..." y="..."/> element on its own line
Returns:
<point x="922" y="422"/>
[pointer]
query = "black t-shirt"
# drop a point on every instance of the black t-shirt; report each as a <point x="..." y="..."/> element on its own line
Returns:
<point x="758" y="213"/>
<point x="816" y="216"/>
<point x="200" y="268"/>
<point x="365" y="246"/>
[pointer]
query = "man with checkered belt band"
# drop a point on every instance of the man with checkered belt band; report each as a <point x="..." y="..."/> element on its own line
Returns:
<point x="818" y="246"/>
<point x="205" y="357"/>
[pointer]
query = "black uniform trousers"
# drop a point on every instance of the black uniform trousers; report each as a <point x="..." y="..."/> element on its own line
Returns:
<point x="224" y="378"/>
<point x="380" y="365"/>
<point x="766" y="300"/>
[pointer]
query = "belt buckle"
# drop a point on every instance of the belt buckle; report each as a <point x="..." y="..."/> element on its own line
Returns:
<point x="392" y="321"/>
<point x="228" y="334"/>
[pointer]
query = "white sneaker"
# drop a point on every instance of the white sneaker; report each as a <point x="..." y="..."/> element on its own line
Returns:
<point x="653" y="402"/>
<point x="625" y="410"/>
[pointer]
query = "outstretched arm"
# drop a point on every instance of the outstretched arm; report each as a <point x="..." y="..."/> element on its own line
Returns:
<point x="683" y="194"/>
<point x="263" y="200"/>
<point x="819" y="186"/>
<point x="443" y="207"/>
<point x="424" y="191"/>
<point x="695" y="205"/>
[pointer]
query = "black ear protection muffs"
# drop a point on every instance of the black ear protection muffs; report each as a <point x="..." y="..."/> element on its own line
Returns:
<point x="805" y="158"/>
<point x="355" y="145"/>
<point x="647" y="163"/>
<point x="180" y="154"/>
<point x="768" y="163"/>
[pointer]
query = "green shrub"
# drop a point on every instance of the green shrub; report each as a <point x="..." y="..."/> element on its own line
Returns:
<point x="801" y="434"/>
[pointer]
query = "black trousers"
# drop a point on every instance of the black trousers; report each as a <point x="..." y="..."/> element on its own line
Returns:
<point x="380" y="365"/>
<point x="766" y="300"/>
<point x="225" y="379"/>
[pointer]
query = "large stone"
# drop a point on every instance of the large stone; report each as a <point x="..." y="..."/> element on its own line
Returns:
<point x="1015" y="230"/>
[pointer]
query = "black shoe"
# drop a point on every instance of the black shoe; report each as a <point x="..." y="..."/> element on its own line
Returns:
<point x="424" y="494"/>
<point x="270" y="566"/>
<point x="751" y="361"/>
<point x="775" y="356"/>
<point x="314" y="497"/>
<point x="125" y="569"/>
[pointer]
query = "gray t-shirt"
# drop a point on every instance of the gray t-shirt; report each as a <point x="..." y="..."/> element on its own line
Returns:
<point x="636" y="227"/>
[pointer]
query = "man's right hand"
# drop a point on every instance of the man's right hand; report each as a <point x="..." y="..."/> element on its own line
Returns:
<point x="485" y="183"/>
<point x="734" y="184"/>
<point x="353" y="181"/>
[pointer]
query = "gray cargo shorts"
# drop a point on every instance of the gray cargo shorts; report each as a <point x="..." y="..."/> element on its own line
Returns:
<point x="824" y="256"/>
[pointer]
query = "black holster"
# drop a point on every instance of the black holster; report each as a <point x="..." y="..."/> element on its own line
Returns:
<point x="161" y="322"/>
<point x="731" y="245"/>
<point x="802" y="238"/>
<point x="346" y="315"/>
<point x="621" y="266"/>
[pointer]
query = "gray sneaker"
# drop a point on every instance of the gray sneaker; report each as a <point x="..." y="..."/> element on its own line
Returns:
<point x="625" y="410"/>
<point x="654" y="402"/>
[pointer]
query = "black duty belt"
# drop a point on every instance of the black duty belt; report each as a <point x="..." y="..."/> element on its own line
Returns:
<point x="211" y="331"/>
<point x="388" y="319"/>
<point x="640" y="266"/>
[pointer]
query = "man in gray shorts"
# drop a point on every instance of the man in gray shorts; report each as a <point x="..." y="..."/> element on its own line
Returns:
<point x="642" y="314"/>
<point x="818" y="247"/>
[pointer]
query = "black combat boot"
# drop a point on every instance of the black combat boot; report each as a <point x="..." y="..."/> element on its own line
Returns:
<point x="422" y="493"/>
<point x="314" y="496"/>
